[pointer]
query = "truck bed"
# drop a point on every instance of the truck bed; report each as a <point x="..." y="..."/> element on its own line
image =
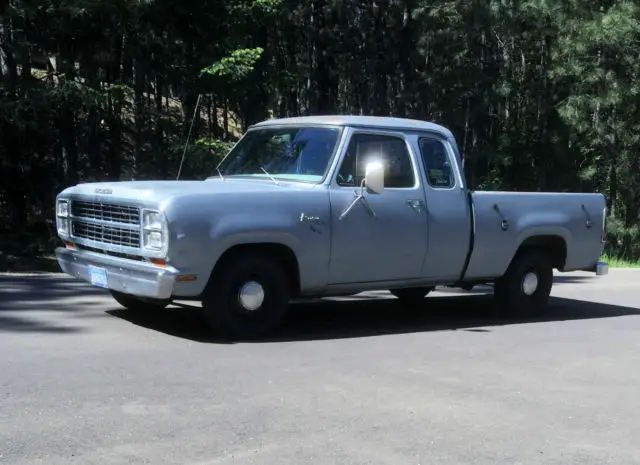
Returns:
<point x="505" y="220"/>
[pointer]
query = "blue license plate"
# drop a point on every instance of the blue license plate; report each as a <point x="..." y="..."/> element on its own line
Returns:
<point x="98" y="276"/>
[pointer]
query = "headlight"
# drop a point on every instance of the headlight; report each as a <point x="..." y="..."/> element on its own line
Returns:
<point x="63" y="226"/>
<point x="152" y="220"/>
<point x="153" y="240"/>
<point x="154" y="231"/>
<point x="62" y="209"/>
<point x="62" y="215"/>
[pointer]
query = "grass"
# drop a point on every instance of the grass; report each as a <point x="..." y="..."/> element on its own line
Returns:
<point x="619" y="263"/>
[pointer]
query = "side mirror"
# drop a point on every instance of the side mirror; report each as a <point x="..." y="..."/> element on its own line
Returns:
<point x="374" y="177"/>
<point x="373" y="181"/>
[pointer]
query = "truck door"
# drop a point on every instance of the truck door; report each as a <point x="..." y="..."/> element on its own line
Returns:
<point x="384" y="237"/>
<point x="448" y="208"/>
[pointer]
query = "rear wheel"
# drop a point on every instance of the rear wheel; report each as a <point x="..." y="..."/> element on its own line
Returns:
<point x="411" y="295"/>
<point x="247" y="296"/>
<point x="139" y="304"/>
<point x="525" y="287"/>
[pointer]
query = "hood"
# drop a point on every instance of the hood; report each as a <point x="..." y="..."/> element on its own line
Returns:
<point x="156" y="192"/>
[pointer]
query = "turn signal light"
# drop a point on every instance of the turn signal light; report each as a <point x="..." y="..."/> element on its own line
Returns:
<point x="158" y="262"/>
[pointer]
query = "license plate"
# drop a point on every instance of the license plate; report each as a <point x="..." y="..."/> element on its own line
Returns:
<point x="98" y="276"/>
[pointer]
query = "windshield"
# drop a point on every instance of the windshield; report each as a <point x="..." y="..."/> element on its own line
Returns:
<point x="292" y="152"/>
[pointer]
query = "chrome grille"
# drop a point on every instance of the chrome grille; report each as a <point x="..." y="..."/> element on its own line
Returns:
<point x="106" y="234"/>
<point x="110" y="252"/>
<point x="105" y="212"/>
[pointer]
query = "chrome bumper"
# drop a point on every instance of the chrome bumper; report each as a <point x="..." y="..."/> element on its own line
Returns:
<point x="127" y="276"/>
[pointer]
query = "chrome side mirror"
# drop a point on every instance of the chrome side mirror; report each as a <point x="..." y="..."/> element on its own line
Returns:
<point x="373" y="181"/>
<point x="374" y="177"/>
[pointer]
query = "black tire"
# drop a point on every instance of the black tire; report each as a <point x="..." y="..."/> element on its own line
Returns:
<point x="411" y="295"/>
<point x="139" y="304"/>
<point x="221" y="301"/>
<point x="510" y="290"/>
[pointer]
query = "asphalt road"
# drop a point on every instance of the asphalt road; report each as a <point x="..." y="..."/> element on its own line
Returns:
<point x="356" y="381"/>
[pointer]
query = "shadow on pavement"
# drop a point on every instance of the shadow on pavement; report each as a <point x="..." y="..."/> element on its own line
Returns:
<point x="373" y="317"/>
<point x="17" y="290"/>
<point x="26" y="325"/>
<point x="572" y="278"/>
<point x="23" y="300"/>
<point x="488" y="288"/>
<point x="22" y="297"/>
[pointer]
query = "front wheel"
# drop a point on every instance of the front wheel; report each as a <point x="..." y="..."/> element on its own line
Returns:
<point x="525" y="287"/>
<point x="139" y="304"/>
<point x="247" y="297"/>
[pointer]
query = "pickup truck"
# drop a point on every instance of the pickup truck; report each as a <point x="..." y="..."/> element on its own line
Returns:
<point x="321" y="206"/>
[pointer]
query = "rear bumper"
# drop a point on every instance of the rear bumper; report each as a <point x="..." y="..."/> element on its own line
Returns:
<point x="128" y="276"/>
<point x="599" y="268"/>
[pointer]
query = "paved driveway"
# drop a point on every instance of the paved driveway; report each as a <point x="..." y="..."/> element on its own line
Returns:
<point x="355" y="381"/>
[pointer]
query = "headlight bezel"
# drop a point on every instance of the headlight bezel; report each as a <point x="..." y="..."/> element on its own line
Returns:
<point x="154" y="224"/>
<point x="62" y="218"/>
<point x="62" y="203"/>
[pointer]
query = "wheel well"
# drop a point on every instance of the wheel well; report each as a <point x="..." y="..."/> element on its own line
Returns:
<point x="555" y="246"/>
<point x="280" y="252"/>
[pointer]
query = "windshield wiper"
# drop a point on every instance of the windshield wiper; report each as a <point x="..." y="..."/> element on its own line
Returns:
<point x="219" y="173"/>
<point x="272" y="178"/>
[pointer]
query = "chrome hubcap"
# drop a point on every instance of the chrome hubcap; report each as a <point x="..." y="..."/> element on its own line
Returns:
<point x="251" y="296"/>
<point x="529" y="283"/>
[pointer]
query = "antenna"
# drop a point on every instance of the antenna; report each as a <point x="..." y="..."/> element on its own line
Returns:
<point x="186" y="144"/>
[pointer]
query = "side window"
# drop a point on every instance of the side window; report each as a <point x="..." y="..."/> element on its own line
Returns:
<point x="391" y="150"/>
<point x="437" y="164"/>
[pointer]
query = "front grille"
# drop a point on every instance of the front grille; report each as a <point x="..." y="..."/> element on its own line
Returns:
<point x="105" y="212"/>
<point x="106" y="234"/>
<point x="111" y="253"/>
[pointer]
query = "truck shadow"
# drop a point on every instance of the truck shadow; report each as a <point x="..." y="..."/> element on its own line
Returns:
<point x="365" y="317"/>
<point x="488" y="288"/>
<point x="29" y="304"/>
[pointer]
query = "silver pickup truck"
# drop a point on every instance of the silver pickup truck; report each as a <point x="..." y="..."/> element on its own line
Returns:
<point x="322" y="206"/>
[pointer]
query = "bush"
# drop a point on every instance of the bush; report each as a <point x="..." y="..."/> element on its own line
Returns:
<point x="623" y="242"/>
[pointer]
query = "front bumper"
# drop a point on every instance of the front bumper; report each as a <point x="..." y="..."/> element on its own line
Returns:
<point x="128" y="276"/>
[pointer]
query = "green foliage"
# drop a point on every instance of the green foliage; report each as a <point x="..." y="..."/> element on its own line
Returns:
<point x="216" y="145"/>
<point x="541" y="95"/>
<point x="264" y="6"/>
<point x="615" y="262"/>
<point x="623" y="242"/>
<point x="237" y="66"/>
<point x="597" y="61"/>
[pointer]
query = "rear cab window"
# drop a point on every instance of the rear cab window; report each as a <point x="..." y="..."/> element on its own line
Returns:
<point x="437" y="163"/>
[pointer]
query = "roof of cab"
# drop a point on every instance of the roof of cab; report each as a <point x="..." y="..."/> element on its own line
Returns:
<point x="387" y="122"/>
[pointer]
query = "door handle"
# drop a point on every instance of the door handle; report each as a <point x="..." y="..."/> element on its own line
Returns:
<point x="416" y="204"/>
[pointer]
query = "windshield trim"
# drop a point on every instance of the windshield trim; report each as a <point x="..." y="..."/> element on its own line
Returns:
<point x="327" y="171"/>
